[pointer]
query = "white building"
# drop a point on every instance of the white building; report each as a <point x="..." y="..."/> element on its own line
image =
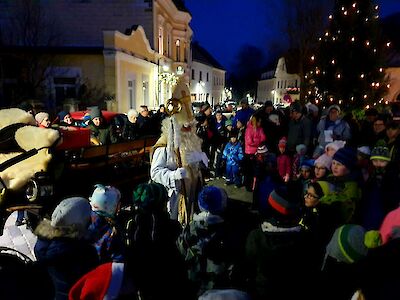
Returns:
<point x="207" y="81"/>
<point x="279" y="85"/>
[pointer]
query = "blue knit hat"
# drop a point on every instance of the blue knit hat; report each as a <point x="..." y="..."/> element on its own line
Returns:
<point x="213" y="199"/>
<point x="346" y="156"/>
<point x="105" y="200"/>
<point x="61" y="115"/>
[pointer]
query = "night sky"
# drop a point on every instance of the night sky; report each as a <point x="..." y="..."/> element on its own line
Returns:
<point x="223" y="26"/>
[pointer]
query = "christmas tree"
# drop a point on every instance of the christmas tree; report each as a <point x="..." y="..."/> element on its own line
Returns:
<point x="347" y="68"/>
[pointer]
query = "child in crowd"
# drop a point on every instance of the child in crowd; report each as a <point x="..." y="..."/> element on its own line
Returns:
<point x="305" y="176"/>
<point x="363" y="155"/>
<point x="63" y="245"/>
<point x="381" y="192"/>
<point x="105" y="202"/>
<point x="241" y="131"/>
<point x="233" y="154"/>
<point x="298" y="159"/>
<point x="344" y="192"/>
<point x="322" y="167"/>
<point x="43" y="120"/>
<point x="202" y="243"/>
<point x="283" y="160"/>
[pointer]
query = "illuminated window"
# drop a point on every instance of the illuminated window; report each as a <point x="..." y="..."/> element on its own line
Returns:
<point x="178" y="50"/>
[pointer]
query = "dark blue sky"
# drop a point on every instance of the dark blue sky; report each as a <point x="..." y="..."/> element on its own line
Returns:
<point x="223" y="26"/>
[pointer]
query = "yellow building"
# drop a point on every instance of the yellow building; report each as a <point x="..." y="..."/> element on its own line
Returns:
<point x="130" y="51"/>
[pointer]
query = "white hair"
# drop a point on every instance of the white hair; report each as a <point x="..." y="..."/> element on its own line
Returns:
<point x="132" y="113"/>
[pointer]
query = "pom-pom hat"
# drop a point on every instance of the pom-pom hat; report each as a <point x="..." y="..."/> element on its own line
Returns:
<point x="105" y="200"/>
<point x="213" y="199"/>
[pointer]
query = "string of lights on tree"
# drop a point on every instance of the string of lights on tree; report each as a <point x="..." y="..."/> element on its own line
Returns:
<point x="348" y="67"/>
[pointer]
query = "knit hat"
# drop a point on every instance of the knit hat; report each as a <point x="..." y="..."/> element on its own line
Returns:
<point x="381" y="153"/>
<point x="150" y="196"/>
<point x="306" y="164"/>
<point x="347" y="244"/>
<point x="301" y="148"/>
<point x="228" y="123"/>
<point x="213" y="199"/>
<point x="105" y="200"/>
<point x="61" y="115"/>
<point x="281" y="203"/>
<point x="390" y="227"/>
<point x="282" y="142"/>
<point x="336" y="145"/>
<point x="39" y="117"/>
<point x="95" y="113"/>
<point x="346" y="156"/>
<point x="104" y="282"/>
<point x="334" y="106"/>
<point x="324" y="160"/>
<point x="364" y="150"/>
<point x="70" y="218"/>
<point x="262" y="149"/>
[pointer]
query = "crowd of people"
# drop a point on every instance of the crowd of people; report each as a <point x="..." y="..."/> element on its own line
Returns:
<point x="324" y="221"/>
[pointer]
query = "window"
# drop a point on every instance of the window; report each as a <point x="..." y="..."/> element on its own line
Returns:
<point x="295" y="84"/>
<point x="145" y="86"/>
<point x="207" y="77"/>
<point x="132" y="92"/>
<point x="160" y="40"/>
<point x="278" y="85"/>
<point x="184" y="52"/>
<point x="192" y="74"/>
<point x="169" y="44"/>
<point x="65" y="87"/>
<point x="178" y="50"/>
<point x="200" y="75"/>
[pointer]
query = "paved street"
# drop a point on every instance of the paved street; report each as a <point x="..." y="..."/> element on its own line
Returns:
<point x="239" y="194"/>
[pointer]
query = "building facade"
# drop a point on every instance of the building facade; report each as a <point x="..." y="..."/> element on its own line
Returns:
<point x="207" y="80"/>
<point x="278" y="86"/>
<point x="133" y="50"/>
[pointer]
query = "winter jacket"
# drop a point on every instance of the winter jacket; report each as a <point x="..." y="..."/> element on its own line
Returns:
<point x="233" y="153"/>
<point x="253" y="138"/>
<point x="284" y="165"/>
<point x="66" y="260"/>
<point x="341" y="131"/>
<point x="299" y="133"/>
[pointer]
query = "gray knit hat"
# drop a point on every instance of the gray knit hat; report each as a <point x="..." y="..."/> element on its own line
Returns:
<point x="347" y="244"/>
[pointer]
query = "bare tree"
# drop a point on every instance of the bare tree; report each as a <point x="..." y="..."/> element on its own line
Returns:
<point x="27" y="38"/>
<point x="304" y="22"/>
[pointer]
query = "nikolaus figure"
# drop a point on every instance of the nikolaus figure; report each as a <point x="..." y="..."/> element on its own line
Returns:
<point x="177" y="156"/>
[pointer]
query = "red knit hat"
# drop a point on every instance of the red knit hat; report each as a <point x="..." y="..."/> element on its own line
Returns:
<point x="104" y="282"/>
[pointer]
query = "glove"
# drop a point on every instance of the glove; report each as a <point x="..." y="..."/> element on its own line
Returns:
<point x="180" y="173"/>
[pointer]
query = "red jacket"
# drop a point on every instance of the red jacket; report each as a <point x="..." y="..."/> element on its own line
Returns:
<point x="284" y="165"/>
